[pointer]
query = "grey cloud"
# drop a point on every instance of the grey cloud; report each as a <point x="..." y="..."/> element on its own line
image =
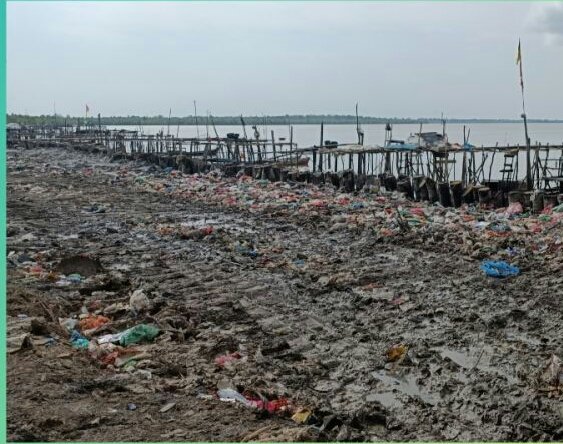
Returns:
<point x="547" y="19"/>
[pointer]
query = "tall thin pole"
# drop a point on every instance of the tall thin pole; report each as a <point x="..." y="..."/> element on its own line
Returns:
<point x="243" y="127"/>
<point x="291" y="146"/>
<point x="464" y="162"/>
<point x="100" y="126"/>
<point x="169" y="115"/>
<point x="213" y="124"/>
<point x="528" y="148"/>
<point x="524" y="117"/>
<point x="196" y="124"/>
<point x="358" y="130"/>
<point x="321" y="147"/>
<point x="273" y="145"/>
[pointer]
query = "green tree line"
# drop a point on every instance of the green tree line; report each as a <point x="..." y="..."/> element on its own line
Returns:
<point x="331" y="119"/>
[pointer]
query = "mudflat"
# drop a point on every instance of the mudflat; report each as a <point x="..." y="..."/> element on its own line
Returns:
<point x="285" y="312"/>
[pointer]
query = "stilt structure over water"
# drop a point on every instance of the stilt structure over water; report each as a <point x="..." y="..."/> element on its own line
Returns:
<point x="425" y="167"/>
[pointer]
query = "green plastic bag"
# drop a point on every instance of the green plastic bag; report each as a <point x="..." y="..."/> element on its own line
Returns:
<point x="139" y="333"/>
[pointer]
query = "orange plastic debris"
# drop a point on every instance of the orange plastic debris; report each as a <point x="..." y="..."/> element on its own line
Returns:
<point x="93" y="321"/>
<point x="396" y="352"/>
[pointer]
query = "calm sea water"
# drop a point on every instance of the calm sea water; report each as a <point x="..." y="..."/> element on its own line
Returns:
<point x="309" y="135"/>
<point x="487" y="134"/>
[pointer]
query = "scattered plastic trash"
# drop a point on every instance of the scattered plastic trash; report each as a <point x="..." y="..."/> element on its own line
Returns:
<point x="499" y="269"/>
<point x="302" y="416"/>
<point x="131" y="406"/>
<point x="206" y="231"/>
<point x="273" y="406"/>
<point x="318" y="203"/>
<point x="512" y="251"/>
<point x="246" y="251"/>
<point x="110" y="358"/>
<point x="96" y="209"/>
<point x="75" y="278"/>
<point x="299" y="262"/>
<point x="357" y="205"/>
<point x="139" y="301"/>
<point x="68" y="324"/>
<point x="230" y="395"/>
<point x="513" y="209"/>
<point x="396" y="352"/>
<point x="417" y="211"/>
<point x="167" y="407"/>
<point x="225" y="359"/>
<point x="79" y="341"/>
<point x="36" y="270"/>
<point x="133" y="335"/>
<point x="545" y="217"/>
<point x="110" y="338"/>
<point x="138" y="333"/>
<point x="499" y="227"/>
<point x="93" y="321"/>
<point x="110" y="354"/>
<point x="446" y="231"/>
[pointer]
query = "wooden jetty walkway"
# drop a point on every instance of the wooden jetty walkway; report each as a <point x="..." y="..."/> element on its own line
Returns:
<point x="451" y="173"/>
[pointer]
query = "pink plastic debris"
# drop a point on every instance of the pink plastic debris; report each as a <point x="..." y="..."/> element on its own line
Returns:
<point x="225" y="359"/>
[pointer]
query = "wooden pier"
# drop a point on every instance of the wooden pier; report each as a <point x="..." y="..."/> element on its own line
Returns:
<point x="452" y="174"/>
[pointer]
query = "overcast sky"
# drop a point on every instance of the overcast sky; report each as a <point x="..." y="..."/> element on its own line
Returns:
<point x="404" y="60"/>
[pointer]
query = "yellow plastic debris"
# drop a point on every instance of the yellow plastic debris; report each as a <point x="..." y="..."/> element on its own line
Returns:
<point x="301" y="416"/>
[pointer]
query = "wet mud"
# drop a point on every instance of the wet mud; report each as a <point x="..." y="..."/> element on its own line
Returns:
<point x="380" y="332"/>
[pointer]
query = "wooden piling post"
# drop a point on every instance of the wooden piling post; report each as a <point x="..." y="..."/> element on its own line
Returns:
<point x="321" y="147"/>
<point x="273" y="145"/>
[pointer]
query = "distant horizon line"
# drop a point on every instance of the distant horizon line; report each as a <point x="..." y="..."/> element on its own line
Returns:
<point x="274" y="119"/>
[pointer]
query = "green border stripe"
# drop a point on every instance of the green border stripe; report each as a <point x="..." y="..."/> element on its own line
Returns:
<point x="3" y="430"/>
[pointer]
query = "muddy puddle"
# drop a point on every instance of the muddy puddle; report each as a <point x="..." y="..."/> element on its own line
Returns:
<point x="396" y="390"/>
<point x="477" y="359"/>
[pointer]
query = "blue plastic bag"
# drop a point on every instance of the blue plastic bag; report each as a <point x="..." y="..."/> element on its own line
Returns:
<point x="78" y="341"/>
<point x="499" y="269"/>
